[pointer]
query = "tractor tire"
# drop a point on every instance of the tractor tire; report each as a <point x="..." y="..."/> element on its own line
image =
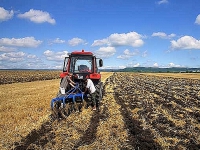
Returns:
<point x="99" y="91"/>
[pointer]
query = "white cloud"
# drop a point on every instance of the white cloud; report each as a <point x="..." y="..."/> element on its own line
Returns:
<point x="163" y="2"/>
<point x="100" y="42"/>
<point x="56" y="67"/>
<point x="173" y="65"/>
<point x="129" y="39"/>
<point x="12" y="56"/>
<point x="58" y="41"/>
<point x="5" y="14"/>
<point x="33" y="62"/>
<point x="122" y="67"/>
<point x="132" y="64"/>
<point x="144" y="54"/>
<point x="37" y="16"/>
<point x="113" y="67"/>
<point x="48" y="53"/>
<point x="125" y="39"/>
<point x="105" y="52"/>
<point x="18" y="60"/>
<point x="186" y="42"/>
<point x="21" y="42"/>
<point x="127" y="54"/>
<point x="76" y="41"/>
<point x="197" y="21"/>
<point x="7" y="49"/>
<point x="155" y="65"/>
<point x="123" y="57"/>
<point x="163" y="35"/>
<point x="136" y="65"/>
<point x="31" y="56"/>
<point x="55" y="56"/>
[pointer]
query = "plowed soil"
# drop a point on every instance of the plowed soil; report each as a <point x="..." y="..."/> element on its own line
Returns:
<point x="137" y="111"/>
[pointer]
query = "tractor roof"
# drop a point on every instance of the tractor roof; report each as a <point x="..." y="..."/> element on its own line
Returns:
<point x="81" y="53"/>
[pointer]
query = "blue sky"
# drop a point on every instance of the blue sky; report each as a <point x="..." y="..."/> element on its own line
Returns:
<point x="38" y="34"/>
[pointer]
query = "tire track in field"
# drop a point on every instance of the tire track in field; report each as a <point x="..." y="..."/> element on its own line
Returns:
<point x="37" y="138"/>
<point x="139" y="138"/>
<point x="89" y="135"/>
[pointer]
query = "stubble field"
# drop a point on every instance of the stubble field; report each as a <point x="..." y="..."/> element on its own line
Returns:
<point x="18" y="76"/>
<point x="138" y="111"/>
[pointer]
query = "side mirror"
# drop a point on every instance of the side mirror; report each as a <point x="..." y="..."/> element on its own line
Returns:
<point x="100" y="62"/>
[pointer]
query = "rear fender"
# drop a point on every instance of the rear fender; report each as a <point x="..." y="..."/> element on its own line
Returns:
<point x="63" y="74"/>
<point x="95" y="76"/>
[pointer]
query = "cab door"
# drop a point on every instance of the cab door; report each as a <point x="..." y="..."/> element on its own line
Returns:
<point x="66" y="64"/>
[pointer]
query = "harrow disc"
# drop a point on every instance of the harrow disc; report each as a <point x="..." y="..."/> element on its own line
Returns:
<point x="58" y="110"/>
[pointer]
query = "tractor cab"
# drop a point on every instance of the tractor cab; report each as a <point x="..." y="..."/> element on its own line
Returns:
<point x="81" y="65"/>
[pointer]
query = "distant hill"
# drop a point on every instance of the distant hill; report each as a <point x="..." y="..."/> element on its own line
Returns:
<point x="154" y="69"/>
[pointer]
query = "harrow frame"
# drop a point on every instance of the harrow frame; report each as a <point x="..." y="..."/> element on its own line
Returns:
<point x="73" y="93"/>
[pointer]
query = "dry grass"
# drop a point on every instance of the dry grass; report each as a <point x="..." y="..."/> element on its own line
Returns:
<point x="25" y="106"/>
<point x="105" y="75"/>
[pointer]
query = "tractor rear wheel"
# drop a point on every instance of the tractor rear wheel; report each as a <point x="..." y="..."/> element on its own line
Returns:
<point x="99" y="91"/>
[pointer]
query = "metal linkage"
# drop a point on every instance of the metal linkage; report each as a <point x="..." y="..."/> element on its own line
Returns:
<point x="74" y="93"/>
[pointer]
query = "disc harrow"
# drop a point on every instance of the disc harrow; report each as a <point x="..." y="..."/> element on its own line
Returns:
<point x="64" y="104"/>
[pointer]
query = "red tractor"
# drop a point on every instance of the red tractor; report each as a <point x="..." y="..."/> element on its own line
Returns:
<point x="77" y="67"/>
